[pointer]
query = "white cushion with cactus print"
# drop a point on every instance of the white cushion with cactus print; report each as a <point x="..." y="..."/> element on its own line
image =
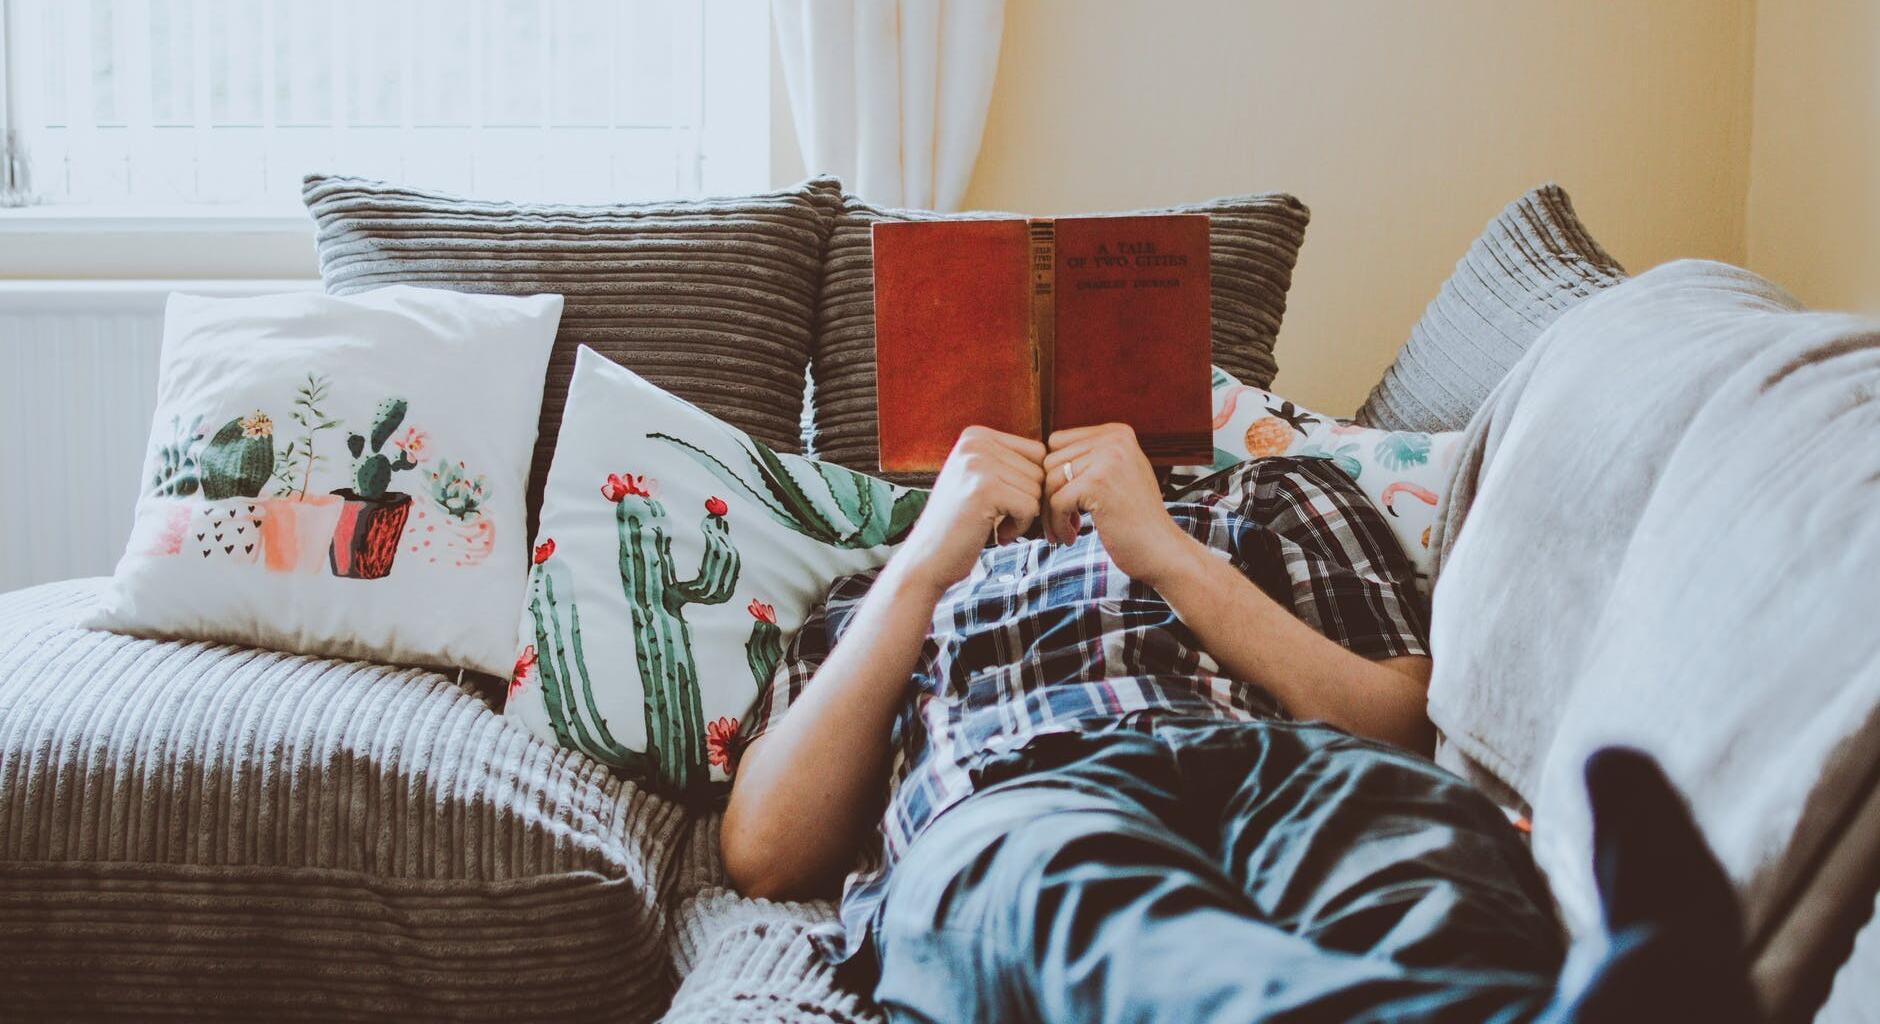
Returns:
<point x="676" y="555"/>
<point x="1402" y="472"/>
<point x="340" y="476"/>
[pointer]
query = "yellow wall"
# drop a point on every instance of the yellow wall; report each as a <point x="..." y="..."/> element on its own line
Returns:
<point x="1814" y="180"/>
<point x="1404" y="126"/>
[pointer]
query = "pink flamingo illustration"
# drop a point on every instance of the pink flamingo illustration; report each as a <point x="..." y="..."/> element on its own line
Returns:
<point x="1422" y="494"/>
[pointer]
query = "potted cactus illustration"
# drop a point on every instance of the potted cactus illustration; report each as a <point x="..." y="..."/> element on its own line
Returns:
<point x="662" y="640"/>
<point x="177" y="474"/>
<point x="372" y="518"/>
<point x="820" y="500"/>
<point x="298" y="526"/>
<point x="459" y="497"/>
<point x="230" y="469"/>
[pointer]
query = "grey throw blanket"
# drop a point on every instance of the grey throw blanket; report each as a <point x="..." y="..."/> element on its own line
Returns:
<point x="1662" y="531"/>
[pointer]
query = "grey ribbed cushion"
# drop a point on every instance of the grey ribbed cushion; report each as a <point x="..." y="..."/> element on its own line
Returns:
<point x="1533" y="262"/>
<point x="220" y="832"/>
<point x="1253" y="244"/>
<point x="711" y="299"/>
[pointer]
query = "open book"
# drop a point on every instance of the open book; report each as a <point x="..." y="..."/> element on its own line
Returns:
<point x="1031" y="326"/>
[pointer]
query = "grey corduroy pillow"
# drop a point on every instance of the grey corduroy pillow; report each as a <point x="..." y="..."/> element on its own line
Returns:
<point x="1532" y="262"/>
<point x="1253" y="243"/>
<point x="711" y="299"/>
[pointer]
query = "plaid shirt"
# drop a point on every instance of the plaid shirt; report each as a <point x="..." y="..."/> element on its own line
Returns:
<point x="1041" y="639"/>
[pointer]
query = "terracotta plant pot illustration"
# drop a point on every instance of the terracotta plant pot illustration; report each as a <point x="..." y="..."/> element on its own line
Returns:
<point x="365" y="540"/>
<point x="296" y="531"/>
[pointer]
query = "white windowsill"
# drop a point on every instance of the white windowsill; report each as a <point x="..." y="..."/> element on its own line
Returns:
<point x="53" y="219"/>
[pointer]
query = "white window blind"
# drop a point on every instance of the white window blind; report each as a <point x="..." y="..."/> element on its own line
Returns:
<point x="168" y="103"/>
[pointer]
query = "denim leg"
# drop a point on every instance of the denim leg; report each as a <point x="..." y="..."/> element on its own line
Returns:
<point x="1364" y="849"/>
<point x="1069" y="895"/>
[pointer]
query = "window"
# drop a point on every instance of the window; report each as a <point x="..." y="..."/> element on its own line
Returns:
<point x="146" y="104"/>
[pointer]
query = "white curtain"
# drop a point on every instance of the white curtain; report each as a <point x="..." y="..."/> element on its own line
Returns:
<point x="891" y="95"/>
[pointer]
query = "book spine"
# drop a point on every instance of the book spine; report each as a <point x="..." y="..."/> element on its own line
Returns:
<point x="1043" y="315"/>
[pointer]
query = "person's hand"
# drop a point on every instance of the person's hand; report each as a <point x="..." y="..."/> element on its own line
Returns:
<point x="1109" y="477"/>
<point x="990" y="482"/>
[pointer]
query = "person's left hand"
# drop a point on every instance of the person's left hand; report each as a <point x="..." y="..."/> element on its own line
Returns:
<point x="1110" y="478"/>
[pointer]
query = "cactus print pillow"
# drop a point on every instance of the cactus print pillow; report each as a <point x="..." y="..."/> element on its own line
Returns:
<point x="1402" y="472"/>
<point x="676" y="555"/>
<point x="340" y="476"/>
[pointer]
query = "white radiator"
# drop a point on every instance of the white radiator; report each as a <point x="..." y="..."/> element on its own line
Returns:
<point x="78" y="384"/>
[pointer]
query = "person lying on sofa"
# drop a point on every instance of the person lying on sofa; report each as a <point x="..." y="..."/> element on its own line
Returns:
<point x="1157" y="766"/>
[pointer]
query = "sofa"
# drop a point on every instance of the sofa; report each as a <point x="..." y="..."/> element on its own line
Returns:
<point x="214" y="831"/>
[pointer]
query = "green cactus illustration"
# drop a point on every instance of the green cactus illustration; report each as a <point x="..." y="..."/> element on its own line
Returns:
<point x="575" y="717"/>
<point x="239" y="459"/>
<point x="178" y="474"/>
<point x="765" y="647"/>
<point x="372" y="474"/>
<point x="662" y="639"/>
<point x="841" y="508"/>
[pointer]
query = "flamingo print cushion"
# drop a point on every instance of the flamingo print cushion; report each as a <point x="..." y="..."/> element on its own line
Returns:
<point x="676" y="556"/>
<point x="1403" y="472"/>
<point x="339" y="476"/>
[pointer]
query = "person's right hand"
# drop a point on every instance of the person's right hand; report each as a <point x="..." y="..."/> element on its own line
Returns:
<point x="992" y="481"/>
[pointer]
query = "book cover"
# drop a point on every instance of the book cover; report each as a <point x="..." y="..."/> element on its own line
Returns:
<point x="1030" y="326"/>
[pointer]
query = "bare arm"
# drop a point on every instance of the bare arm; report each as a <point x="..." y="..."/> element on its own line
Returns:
<point x="808" y="790"/>
<point x="1312" y="677"/>
<point x="1251" y="635"/>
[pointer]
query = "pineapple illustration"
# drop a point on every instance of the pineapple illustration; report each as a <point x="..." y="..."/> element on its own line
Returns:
<point x="1268" y="435"/>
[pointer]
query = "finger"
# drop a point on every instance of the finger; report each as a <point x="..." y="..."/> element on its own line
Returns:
<point x="1089" y="467"/>
<point x="1028" y="449"/>
<point x="1018" y="508"/>
<point x="1024" y="447"/>
<point x="1025" y="478"/>
<point x="1055" y="481"/>
<point x="1071" y="435"/>
<point x="1070" y="452"/>
<point x="1065" y="509"/>
<point x="1018" y="462"/>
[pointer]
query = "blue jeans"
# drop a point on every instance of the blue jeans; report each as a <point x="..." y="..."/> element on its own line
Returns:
<point x="1196" y="871"/>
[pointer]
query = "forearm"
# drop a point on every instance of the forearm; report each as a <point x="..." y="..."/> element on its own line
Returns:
<point x="1256" y="639"/>
<point x="807" y="790"/>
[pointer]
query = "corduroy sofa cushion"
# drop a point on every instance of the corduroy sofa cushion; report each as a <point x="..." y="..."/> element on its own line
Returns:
<point x="220" y="833"/>
<point x="711" y="299"/>
<point x="1254" y="242"/>
<point x="1533" y="262"/>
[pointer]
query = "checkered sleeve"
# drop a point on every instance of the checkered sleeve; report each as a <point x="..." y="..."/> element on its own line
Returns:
<point x="1328" y="550"/>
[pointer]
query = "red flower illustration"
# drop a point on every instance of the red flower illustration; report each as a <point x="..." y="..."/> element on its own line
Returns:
<point x="723" y="744"/>
<point x="715" y="505"/>
<point x="761" y="611"/>
<point x="619" y="485"/>
<point x="544" y="551"/>
<point x="525" y="670"/>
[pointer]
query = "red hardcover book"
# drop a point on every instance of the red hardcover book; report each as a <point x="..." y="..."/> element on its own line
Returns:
<point x="1034" y="326"/>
